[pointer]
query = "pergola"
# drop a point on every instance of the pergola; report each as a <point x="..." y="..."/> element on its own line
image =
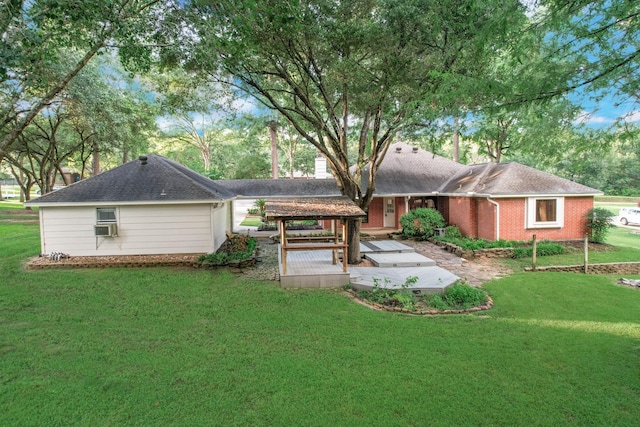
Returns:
<point x="336" y="209"/>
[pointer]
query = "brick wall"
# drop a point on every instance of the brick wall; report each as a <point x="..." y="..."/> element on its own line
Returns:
<point x="376" y="214"/>
<point x="462" y="214"/>
<point x="513" y="220"/>
<point x="476" y="217"/>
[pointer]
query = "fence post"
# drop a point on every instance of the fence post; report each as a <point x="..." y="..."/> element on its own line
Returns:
<point x="535" y="251"/>
<point x="586" y="253"/>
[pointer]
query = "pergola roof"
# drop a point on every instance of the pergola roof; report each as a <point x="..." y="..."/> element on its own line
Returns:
<point x="312" y="208"/>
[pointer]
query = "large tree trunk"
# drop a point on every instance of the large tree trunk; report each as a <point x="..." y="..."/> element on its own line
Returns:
<point x="456" y="140"/>
<point x="353" y="240"/>
<point x="274" y="149"/>
<point x="95" y="168"/>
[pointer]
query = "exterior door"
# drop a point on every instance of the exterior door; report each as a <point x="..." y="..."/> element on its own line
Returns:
<point x="390" y="212"/>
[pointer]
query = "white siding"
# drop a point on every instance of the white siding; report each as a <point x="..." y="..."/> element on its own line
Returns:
<point x="220" y="225"/>
<point x="142" y="230"/>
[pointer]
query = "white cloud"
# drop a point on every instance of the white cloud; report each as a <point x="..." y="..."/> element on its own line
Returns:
<point x="633" y="116"/>
<point x="593" y="119"/>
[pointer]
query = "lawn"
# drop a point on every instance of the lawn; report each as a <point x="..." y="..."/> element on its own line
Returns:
<point x="167" y="346"/>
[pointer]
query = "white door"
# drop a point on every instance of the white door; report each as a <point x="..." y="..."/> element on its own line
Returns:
<point x="389" y="212"/>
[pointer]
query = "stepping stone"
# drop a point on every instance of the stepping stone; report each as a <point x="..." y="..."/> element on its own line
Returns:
<point x="388" y="246"/>
<point x="430" y="279"/>
<point x="400" y="260"/>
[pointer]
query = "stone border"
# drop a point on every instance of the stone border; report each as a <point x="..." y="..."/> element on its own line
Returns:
<point x="604" y="268"/>
<point x="100" y="262"/>
<point x="375" y="306"/>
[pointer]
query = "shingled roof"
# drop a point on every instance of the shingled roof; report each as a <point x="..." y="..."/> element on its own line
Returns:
<point x="262" y="188"/>
<point x="408" y="170"/>
<point x="511" y="179"/>
<point x="150" y="178"/>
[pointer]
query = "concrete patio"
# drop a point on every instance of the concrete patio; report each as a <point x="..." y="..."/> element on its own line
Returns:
<point x="394" y="263"/>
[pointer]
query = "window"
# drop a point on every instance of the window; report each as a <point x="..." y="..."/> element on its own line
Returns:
<point x="106" y="215"/>
<point x="545" y="212"/>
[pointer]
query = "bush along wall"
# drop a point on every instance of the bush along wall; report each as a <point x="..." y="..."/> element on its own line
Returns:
<point x="237" y="251"/>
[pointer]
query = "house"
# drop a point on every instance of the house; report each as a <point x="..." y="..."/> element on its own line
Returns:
<point x="151" y="205"/>
<point x="492" y="201"/>
<point x="156" y="206"/>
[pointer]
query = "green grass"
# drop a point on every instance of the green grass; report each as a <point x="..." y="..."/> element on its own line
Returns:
<point x="251" y="221"/>
<point x="166" y="346"/>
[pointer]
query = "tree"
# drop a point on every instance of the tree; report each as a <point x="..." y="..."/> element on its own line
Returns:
<point x="32" y="35"/>
<point x="327" y="66"/>
<point x="601" y="37"/>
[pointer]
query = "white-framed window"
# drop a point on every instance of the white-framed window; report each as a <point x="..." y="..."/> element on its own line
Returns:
<point x="106" y="216"/>
<point x="545" y="212"/>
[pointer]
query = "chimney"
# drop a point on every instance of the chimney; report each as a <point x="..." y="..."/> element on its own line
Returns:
<point x="398" y="150"/>
<point x="143" y="160"/>
<point x="415" y="149"/>
<point x="321" y="168"/>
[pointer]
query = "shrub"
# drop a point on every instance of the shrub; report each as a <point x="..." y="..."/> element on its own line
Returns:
<point x="458" y="296"/>
<point x="261" y="205"/>
<point x="452" y="232"/>
<point x="542" y="249"/>
<point x="237" y="247"/>
<point x="391" y="296"/>
<point x="599" y="222"/>
<point x="421" y="222"/>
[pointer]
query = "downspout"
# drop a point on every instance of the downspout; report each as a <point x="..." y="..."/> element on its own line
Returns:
<point x="493" y="202"/>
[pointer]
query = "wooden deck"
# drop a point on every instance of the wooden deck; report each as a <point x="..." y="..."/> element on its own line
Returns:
<point x="311" y="269"/>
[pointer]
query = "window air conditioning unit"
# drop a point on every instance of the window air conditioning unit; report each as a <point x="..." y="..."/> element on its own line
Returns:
<point x="106" y="230"/>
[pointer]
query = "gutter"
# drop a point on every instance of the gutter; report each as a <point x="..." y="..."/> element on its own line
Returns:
<point x="493" y="202"/>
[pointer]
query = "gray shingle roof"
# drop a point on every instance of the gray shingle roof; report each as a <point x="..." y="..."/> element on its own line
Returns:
<point x="406" y="170"/>
<point x="159" y="180"/>
<point x="262" y="188"/>
<point x="511" y="179"/>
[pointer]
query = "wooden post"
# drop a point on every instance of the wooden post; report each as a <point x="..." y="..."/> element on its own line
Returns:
<point x="586" y="253"/>
<point x="283" y="246"/>
<point x="535" y="251"/>
<point x="345" y="250"/>
<point x="335" y="240"/>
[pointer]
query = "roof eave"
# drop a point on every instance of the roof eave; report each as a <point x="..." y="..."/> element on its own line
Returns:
<point x="128" y="203"/>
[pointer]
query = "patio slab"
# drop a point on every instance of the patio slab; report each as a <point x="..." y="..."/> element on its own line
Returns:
<point x="386" y="246"/>
<point x="430" y="279"/>
<point x="411" y="259"/>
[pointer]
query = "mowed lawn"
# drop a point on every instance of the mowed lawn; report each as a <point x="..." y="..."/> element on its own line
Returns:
<point x="185" y="347"/>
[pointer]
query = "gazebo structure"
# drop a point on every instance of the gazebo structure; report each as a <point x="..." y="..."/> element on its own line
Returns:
<point x="312" y="261"/>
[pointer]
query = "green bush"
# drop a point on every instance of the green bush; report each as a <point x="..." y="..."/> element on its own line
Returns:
<point x="237" y="247"/>
<point x="542" y="249"/>
<point x="452" y="232"/>
<point x="600" y="221"/>
<point x="459" y="296"/>
<point x="421" y="222"/>
<point x="391" y="296"/>
<point x="471" y="244"/>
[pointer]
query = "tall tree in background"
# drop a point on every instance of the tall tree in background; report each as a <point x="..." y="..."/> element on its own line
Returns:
<point x="32" y="34"/>
<point x="329" y="65"/>
<point x="602" y="39"/>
